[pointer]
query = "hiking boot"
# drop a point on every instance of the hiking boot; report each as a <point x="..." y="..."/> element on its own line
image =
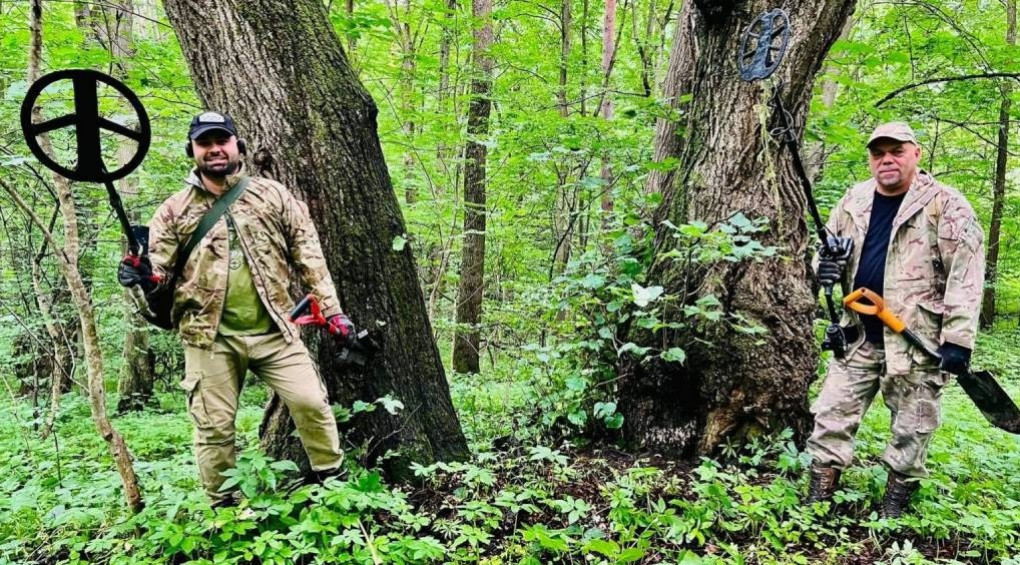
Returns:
<point x="897" y="495"/>
<point x="824" y="482"/>
<point x="233" y="498"/>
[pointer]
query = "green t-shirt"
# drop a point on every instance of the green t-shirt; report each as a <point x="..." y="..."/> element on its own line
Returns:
<point x="243" y="311"/>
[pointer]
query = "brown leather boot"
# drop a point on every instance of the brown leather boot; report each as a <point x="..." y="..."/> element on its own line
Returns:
<point x="824" y="482"/>
<point x="897" y="495"/>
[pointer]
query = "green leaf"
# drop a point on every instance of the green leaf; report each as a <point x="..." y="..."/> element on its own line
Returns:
<point x="577" y="417"/>
<point x="674" y="355"/>
<point x="608" y="548"/>
<point x="644" y="296"/>
<point x="399" y="242"/>
<point x="615" y="421"/>
<point x="362" y="406"/>
<point x="632" y="347"/>
<point x="630" y="555"/>
<point x="391" y="404"/>
<point x="604" y="409"/>
<point x="576" y="383"/>
<point x="593" y="281"/>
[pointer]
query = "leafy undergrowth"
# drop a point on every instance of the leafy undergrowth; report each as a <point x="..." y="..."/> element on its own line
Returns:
<point x="521" y="501"/>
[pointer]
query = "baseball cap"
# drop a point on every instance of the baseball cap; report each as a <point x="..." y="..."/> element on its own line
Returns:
<point x="209" y="121"/>
<point x="893" y="130"/>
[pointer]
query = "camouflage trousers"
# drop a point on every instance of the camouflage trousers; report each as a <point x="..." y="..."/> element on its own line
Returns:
<point x="849" y="388"/>
<point x="213" y="380"/>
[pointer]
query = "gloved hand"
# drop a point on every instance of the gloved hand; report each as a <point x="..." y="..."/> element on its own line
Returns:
<point x="955" y="358"/>
<point x="830" y="271"/>
<point x="137" y="270"/>
<point x="342" y="326"/>
<point x="832" y="261"/>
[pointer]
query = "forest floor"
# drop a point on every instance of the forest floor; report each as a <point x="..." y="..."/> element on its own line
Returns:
<point x="523" y="498"/>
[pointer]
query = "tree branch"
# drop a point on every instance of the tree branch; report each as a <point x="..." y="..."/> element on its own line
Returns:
<point x="903" y="89"/>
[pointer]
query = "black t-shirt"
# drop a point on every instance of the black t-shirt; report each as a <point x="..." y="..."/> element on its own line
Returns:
<point x="871" y="268"/>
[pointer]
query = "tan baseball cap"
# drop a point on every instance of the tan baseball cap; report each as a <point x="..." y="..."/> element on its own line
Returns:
<point x="893" y="130"/>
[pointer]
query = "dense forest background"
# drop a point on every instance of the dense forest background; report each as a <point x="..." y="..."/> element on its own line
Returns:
<point x="534" y="270"/>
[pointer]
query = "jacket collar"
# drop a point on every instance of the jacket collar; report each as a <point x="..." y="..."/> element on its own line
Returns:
<point x="862" y="197"/>
<point x="193" y="179"/>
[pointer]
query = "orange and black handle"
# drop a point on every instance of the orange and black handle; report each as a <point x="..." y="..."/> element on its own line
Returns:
<point x="875" y="306"/>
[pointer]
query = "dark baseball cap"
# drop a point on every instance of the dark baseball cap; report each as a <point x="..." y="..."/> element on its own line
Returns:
<point x="210" y="121"/>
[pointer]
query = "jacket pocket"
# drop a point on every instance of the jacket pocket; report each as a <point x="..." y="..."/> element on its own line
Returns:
<point x="927" y="325"/>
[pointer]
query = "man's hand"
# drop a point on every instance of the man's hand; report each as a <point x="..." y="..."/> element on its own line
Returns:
<point x="832" y="260"/>
<point x="955" y="358"/>
<point x="342" y="326"/>
<point x="137" y="270"/>
<point x="830" y="271"/>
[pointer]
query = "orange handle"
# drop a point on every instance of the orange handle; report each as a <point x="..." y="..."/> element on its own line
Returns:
<point x="876" y="308"/>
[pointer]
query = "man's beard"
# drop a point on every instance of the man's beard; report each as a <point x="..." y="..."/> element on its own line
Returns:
<point x="219" y="171"/>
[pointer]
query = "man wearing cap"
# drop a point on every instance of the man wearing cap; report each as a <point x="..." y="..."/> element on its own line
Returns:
<point x="231" y="301"/>
<point x="918" y="244"/>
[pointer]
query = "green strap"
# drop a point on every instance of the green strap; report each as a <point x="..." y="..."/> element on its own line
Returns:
<point x="206" y="223"/>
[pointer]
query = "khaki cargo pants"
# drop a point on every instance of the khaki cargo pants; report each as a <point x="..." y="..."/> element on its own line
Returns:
<point x="213" y="380"/>
<point x="850" y="386"/>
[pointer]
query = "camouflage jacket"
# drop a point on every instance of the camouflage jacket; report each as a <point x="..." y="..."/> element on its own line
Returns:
<point x="275" y="233"/>
<point x="934" y="270"/>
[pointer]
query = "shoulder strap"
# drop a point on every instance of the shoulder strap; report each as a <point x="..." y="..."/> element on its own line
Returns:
<point x="206" y="223"/>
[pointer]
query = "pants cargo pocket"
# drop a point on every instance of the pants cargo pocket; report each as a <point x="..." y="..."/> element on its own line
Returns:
<point x="928" y="416"/>
<point x="196" y="404"/>
<point x="929" y="402"/>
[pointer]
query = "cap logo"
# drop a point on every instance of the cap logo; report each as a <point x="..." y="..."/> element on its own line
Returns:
<point x="212" y="117"/>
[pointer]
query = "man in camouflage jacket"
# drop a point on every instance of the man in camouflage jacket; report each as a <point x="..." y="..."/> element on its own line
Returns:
<point x="231" y="302"/>
<point x="918" y="244"/>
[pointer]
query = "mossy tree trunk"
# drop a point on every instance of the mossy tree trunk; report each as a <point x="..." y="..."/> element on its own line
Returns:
<point x="740" y="384"/>
<point x="280" y="71"/>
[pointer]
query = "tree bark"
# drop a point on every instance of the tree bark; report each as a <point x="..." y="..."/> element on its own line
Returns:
<point x="675" y="87"/>
<point x="987" y="317"/>
<point x="565" y="23"/>
<point x="608" y="48"/>
<point x="312" y="126"/>
<point x="63" y="360"/>
<point x="732" y="385"/>
<point x="406" y="91"/>
<point x="472" y="270"/>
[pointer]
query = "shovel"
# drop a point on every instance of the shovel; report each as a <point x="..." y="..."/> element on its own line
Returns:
<point x="982" y="388"/>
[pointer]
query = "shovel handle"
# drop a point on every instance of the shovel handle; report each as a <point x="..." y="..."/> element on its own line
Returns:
<point x="875" y="308"/>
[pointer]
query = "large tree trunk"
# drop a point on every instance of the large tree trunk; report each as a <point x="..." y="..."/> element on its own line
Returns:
<point x="735" y="384"/>
<point x="472" y="269"/>
<point x="313" y="127"/>
<point x="987" y="317"/>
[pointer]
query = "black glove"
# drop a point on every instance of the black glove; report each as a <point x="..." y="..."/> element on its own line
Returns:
<point x="137" y="270"/>
<point x="832" y="260"/>
<point x="830" y="271"/>
<point x="955" y="358"/>
<point x="342" y="327"/>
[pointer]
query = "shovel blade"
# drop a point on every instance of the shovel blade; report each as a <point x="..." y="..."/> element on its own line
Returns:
<point x="995" y="404"/>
